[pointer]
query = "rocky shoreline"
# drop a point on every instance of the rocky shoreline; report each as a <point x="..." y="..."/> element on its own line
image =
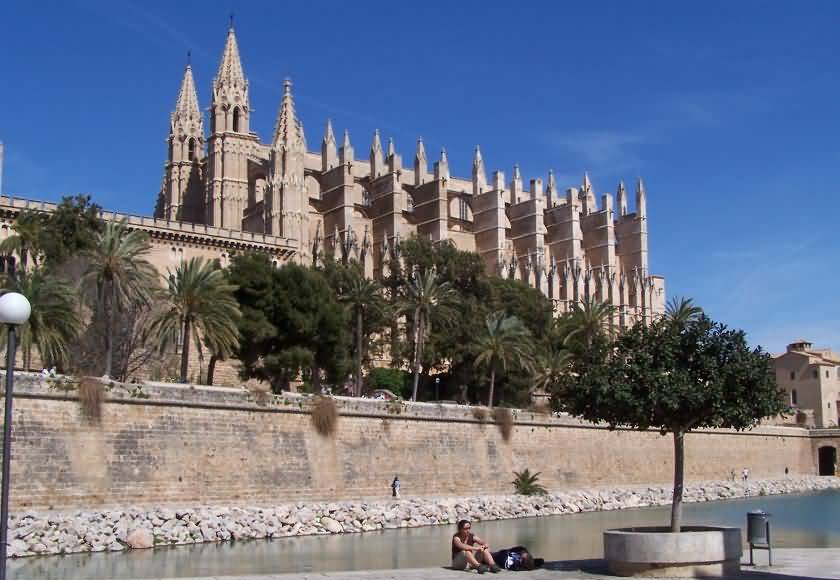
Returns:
<point x="44" y="533"/>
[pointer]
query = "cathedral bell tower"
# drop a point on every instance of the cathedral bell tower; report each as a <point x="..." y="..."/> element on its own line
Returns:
<point x="230" y="141"/>
<point x="182" y="196"/>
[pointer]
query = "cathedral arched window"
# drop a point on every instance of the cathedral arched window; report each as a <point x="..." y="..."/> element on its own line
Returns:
<point x="236" y="119"/>
<point x="191" y="149"/>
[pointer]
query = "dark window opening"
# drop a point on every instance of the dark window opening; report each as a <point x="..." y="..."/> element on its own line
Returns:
<point x="191" y="152"/>
<point x="792" y="375"/>
<point x="794" y="399"/>
<point x="236" y="120"/>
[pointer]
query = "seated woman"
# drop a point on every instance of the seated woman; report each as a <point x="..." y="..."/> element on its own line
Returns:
<point x="469" y="552"/>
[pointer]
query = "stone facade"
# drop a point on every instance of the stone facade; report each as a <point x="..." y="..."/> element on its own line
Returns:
<point x="193" y="445"/>
<point x="567" y="244"/>
<point x="810" y="378"/>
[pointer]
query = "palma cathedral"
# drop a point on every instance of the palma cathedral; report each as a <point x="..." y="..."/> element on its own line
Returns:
<point x="302" y="204"/>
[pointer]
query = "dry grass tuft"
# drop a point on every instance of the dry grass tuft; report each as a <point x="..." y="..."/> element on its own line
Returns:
<point x="480" y="414"/>
<point x="91" y="396"/>
<point x="503" y="418"/>
<point x="324" y="415"/>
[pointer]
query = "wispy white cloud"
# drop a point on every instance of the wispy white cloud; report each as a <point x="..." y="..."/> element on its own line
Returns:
<point x="658" y="122"/>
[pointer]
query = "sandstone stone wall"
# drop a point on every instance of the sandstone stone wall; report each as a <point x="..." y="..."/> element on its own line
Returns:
<point x="166" y="444"/>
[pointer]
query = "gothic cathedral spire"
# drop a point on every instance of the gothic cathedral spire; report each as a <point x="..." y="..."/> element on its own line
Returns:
<point x="182" y="196"/>
<point x="230" y="113"/>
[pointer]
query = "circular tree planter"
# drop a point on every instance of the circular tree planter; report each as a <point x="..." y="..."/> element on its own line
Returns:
<point x="696" y="552"/>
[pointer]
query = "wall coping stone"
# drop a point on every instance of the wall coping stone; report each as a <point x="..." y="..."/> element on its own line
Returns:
<point x="35" y="385"/>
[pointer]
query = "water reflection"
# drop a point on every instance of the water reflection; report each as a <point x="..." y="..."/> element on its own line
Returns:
<point x="797" y="521"/>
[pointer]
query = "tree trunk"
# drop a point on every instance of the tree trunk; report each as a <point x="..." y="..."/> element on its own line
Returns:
<point x="359" y="339"/>
<point x="492" y="386"/>
<point x="679" y="474"/>
<point x="109" y="323"/>
<point x="417" y="354"/>
<point x="211" y="369"/>
<point x="185" y="351"/>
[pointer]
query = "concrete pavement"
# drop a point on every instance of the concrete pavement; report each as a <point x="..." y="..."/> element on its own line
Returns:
<point x="789" y="564"/>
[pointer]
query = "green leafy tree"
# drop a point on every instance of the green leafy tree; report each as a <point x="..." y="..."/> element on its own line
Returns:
<point x="25" y="242"/>
<point x="199" y="306"/>
<point x="70" y="230"/>
<point x="504" y="343"/>
<point x="367" y="306"/>
<point x="427" y="301"/>
<point x="119" y="269"/>
<point x="54" y="323"/>
<point x="673" y="378"/>
<point x="292" y="323"/>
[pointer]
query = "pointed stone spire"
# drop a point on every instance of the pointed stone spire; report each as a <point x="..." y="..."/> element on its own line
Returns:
<point x="345" y="154"/>
<point x="230" y="69"/>
<point x="587" y="184"/>
<point x="391" y="147"/>
<point x="621" y="197"/>
<point x="550" y="190"/>
<point x="515" y="185"/>
<point x="288" y="131"/>
<point x="377" y="165"/>
<point x="329" y="151"/>
<point x="479" y="174"/>
<point x="186" y="108"/>
<point x="641" y="199"/>
<point x="442" y="166"/>
<point x="421" y="164"/>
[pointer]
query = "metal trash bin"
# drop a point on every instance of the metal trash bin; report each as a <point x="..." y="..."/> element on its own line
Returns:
<point x="758" y="533"/>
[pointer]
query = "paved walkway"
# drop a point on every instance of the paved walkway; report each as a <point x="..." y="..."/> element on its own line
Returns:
<point x="789" y="564"/>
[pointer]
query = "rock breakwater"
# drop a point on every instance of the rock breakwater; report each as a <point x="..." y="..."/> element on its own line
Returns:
<point x="42" y="533"/>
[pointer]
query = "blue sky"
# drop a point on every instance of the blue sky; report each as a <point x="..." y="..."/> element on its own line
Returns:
<point x="729" y="111"/>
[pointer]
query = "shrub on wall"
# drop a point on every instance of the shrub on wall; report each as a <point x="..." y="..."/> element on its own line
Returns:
<point x="480" y="414"/>
<point x="503" y="418"/>
<point x="324" y="415"/>
<point x="91" y="395"/>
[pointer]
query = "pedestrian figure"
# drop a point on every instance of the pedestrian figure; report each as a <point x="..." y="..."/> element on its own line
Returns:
<point x="732" y="475"/>
<point x="395" y="487"/>
<point x="745" y="475"/>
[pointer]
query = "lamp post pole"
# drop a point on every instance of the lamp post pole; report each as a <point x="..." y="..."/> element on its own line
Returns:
<point x="7" y="450"/>
<point x="14" y="311"/>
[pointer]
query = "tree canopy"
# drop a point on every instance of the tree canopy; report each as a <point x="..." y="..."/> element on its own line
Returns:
<point x="672" y="377"/>
<point x="291" y="322"/>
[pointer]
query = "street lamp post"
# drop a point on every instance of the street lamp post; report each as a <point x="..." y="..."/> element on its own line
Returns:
<point x="14" y="311"/>
<point x="437" y="388"/>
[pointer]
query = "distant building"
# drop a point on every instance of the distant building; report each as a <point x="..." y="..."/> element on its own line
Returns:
<point x="810" y="378"/>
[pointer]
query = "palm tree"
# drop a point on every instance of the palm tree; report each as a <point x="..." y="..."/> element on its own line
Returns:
<point x="550" y="364"/>
<point x="24" y="242"/>
<point x="682" y="311"/>
<point x="428" y="301"/>
<point x="587" y="320"/>
<point x="364" y="299"/>
<point x="54" y="322"/>
<point x="506" y="342"/>
<point x="118" y="266"/>
<point x="199" y="306"/>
